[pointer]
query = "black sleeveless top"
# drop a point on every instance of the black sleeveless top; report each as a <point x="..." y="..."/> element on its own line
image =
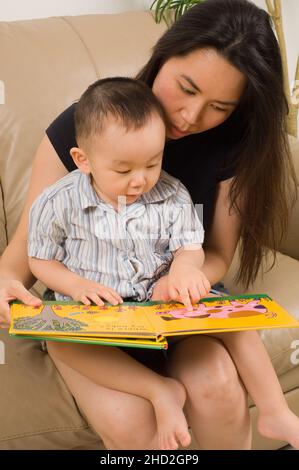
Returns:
<point x="200" y="161"/>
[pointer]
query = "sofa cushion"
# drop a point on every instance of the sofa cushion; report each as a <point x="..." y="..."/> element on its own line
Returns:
<point x="57" y="58"/>
<point x="37" y="410"/>
<point x="280" y="283"/>
<point x="123" y="35"/>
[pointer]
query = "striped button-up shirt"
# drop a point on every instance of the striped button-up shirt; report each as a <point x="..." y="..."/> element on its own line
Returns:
<point x="123" y="249"/>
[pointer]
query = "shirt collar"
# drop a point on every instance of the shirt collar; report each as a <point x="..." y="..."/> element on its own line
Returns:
<point x="87" y="195"/>
<point x="166" y="187"/>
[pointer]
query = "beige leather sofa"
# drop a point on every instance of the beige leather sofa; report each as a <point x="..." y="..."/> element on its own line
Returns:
<point x="45" y="65"/>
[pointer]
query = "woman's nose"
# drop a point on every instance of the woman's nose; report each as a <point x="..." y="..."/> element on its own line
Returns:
<point x="192" y="113"/>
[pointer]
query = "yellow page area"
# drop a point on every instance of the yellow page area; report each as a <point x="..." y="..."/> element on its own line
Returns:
<point x="222" y="315"/>
<point x="79" y="320"/>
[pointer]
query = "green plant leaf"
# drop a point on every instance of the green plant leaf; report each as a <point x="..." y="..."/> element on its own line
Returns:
<point x="162" y="8"/>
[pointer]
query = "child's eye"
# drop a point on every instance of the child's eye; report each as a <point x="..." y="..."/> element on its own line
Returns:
<point x="123" y="172"/>
<point x="152" y="166"/>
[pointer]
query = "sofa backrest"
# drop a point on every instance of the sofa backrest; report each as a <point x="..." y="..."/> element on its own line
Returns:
<point x="46" y="64"/>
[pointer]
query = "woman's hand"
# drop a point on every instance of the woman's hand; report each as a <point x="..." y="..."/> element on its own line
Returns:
<point x="10" y="290"/>
<point x="85" y="291"/>
<point x="187" y="285"/>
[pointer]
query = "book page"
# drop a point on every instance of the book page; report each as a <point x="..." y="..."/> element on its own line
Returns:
<point x="72" y="319"/>
<point x="222" y="314"/>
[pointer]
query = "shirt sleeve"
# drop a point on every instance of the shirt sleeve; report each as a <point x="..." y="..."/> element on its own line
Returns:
<point x="186" y="228"/>
<point x="46" y="235"/>
<point x="62" y="136"/>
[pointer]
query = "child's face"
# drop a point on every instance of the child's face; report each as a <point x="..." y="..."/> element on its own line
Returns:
<point x="126" y="163"/>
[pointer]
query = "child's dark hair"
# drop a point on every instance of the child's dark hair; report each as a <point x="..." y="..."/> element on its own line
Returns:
<point x="129" y="101"/>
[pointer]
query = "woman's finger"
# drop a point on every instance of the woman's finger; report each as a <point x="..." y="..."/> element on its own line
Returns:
<point x="5" y="319"/>
<point x="17" y="291"/>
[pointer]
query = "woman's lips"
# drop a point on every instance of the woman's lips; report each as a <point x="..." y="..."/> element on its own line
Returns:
<point x="175" y="132"/>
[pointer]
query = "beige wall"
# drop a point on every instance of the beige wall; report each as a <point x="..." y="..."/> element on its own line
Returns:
<point x="290" y="14"/>
<point x="12" y="10"/>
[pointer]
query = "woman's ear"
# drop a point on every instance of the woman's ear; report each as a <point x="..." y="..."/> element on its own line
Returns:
<point x="80" y="159"/>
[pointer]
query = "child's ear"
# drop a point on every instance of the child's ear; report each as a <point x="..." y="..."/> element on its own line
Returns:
<point x="80" y="159"/>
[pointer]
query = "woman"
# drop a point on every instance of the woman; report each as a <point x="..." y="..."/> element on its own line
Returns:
<point x="218" y="74"/>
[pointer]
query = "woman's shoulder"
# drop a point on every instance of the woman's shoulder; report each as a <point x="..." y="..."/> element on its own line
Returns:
<point x="62" y="135"/>
<point x="174" y="187"/>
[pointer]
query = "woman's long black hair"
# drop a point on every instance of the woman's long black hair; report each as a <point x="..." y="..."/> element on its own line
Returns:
<point x="242" y="33"/>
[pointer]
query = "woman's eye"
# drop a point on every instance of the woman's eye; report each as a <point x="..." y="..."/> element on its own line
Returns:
<point x="187" y="90"/>
<point x="218" y="109"/>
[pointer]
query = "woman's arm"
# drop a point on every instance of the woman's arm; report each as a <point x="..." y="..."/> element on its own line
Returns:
<point x="222" y="238"/>
<point x="47" y="168"/>
<point x="14" y="269"/>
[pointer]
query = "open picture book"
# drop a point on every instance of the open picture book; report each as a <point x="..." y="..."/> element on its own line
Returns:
<point x="148" y="324"/>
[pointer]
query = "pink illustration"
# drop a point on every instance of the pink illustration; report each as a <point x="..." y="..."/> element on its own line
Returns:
<point x="234" y="309"/>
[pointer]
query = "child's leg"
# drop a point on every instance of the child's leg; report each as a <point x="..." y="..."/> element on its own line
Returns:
<point x="276" y="420"/>
<point x="112" y="368"/>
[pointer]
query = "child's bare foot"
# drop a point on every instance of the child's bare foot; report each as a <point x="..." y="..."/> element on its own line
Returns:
<point x="283" y="426"/>
<point x="171" y="421"/>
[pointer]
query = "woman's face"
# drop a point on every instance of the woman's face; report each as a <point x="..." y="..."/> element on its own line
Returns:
<point x="198" y="91"/>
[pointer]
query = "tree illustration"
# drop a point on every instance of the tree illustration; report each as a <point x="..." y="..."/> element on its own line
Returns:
<point x="47" y="320"/>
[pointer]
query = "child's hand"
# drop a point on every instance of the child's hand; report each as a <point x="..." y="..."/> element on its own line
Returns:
<point x="85" y="290"/>
<point x="161" y="291"/>
<point x="187" y="285"/>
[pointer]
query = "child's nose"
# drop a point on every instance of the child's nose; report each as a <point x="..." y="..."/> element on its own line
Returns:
<point x="138" y="180"/>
